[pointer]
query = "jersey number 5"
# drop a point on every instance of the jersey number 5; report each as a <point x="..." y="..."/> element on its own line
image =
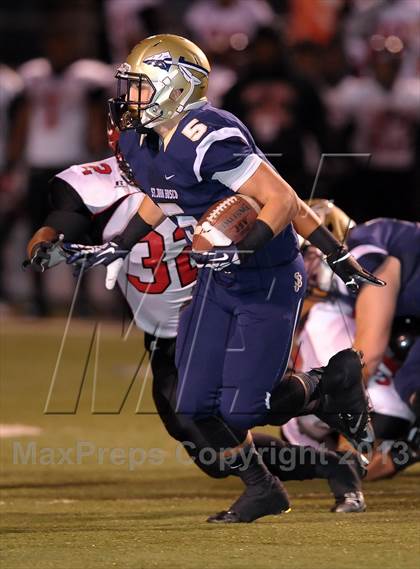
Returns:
<point x="194" y="130"/>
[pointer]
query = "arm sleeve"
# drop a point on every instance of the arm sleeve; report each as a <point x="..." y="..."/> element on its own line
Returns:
<point x="227" y="156"/>
<point x="62" y="196"/>
<point x="68" y="214"/>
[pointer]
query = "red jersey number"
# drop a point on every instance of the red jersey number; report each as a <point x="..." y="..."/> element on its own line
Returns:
<point x="159" y="267"/>
<point x="102" y="168"/>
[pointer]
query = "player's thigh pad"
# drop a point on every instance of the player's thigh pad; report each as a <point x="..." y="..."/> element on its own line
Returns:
<point x="260" y="346"/>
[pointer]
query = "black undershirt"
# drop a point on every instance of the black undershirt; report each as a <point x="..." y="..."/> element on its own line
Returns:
<point x="68" y="214"/>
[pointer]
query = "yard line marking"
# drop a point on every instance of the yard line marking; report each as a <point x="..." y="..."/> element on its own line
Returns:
<point x="18" y="430"/>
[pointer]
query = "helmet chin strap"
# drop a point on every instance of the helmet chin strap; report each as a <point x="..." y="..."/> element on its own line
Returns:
<point x="144" y="128"/>
<point x="193" y="81"/>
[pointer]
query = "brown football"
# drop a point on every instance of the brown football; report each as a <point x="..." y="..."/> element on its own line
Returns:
<point x="233" y="217"/>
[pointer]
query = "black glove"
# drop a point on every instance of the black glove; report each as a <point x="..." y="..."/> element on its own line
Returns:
<point x="341" y="261"/>
<point x="350" y="271"/>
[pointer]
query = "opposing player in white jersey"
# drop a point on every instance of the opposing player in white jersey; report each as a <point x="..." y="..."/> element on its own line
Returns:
<point x="11" y="86"/>
<point x="331" y="326"/>
<point x="92" y="202"/>
<point x="157" y="277"/>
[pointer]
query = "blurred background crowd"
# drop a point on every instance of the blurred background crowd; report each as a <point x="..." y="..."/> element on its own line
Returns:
<point x="329" y="88"/>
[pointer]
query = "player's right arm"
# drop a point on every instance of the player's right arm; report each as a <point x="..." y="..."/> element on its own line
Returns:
<point x="148" y="217"/>
<point x="68" y="216"/>
<point x="113" y="253"/>
<point x="375" y="310"/>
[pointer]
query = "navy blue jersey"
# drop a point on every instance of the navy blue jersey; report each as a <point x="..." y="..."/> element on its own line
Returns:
<point x="206" y="158"/>
<point x="377" y="239"/>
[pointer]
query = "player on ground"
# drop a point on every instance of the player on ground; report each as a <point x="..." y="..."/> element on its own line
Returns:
<point x="91" y="202"/>
<point x="186" y="155"/>
<point x="386" y="328"/>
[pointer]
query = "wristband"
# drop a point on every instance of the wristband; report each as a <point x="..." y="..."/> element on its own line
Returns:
<point x="260" y="235"/>
<point x="136" y="229"/>
<point x="325" y="241"/>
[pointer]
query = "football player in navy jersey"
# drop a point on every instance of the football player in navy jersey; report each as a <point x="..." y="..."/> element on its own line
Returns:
<point x="90" y="202"/>
<point x="391" y="249"/>
<point x="234" y="337"/>
<point x="386" y="327"/>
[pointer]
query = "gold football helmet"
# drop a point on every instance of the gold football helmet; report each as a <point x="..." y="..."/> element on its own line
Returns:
<point x="334" y="218"/>
<point x="163" y="76"/>
<point x="320" y="275"/>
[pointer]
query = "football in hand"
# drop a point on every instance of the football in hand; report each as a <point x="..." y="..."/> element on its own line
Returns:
<point x="228" y="220"/>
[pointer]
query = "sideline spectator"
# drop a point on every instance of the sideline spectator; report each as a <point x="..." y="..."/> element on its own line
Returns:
<point x="379" y="114"/>
<point x="281" y="108"/>
<point x="222" y="25"/>
<point x="59" y="121"/>
<point x="11" y="85"/>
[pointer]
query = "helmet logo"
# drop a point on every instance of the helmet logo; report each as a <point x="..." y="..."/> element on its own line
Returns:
<point x="188" y="76"/>
<point x="162" y="60"/>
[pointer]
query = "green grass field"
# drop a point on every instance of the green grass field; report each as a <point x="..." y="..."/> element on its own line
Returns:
<point x="146" y="507"/>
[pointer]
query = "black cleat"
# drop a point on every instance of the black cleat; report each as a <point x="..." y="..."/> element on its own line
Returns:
<point x="344" y="404"/>
<point x="256" y="501"/>
<point x="352" y="502"/>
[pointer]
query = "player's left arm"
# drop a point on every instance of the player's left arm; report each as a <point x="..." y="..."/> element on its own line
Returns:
<point x="279" y="206"/>
<point x="310" y="227"/>
<point x="375" y="310"/>
<point x="113" y="253"/>
<point x="306" y="220"/>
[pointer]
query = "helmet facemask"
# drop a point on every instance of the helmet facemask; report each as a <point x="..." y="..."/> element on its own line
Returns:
<point x="320" y="277"/>
<point x="135" y="95"/>
<point x="113" y="134"/>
